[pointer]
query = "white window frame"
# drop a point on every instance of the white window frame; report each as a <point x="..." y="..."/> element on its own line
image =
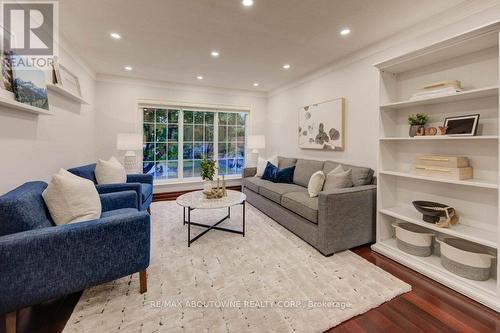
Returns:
<point x="182" y="106"/>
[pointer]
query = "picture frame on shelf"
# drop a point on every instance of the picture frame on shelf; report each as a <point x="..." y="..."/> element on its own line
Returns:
<point x="56" y="72"/>
<point x="6" y="84"/>
<point x="30" y="86"/>
<point x="67" y="80"/>
<point x="462" y="125"/>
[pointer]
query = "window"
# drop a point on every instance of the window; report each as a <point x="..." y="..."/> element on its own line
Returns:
<point x="161" y="143"/>
<point x="177" y="139"/>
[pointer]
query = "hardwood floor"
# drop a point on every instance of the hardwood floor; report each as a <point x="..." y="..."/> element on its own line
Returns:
<point x="429" y="307"/>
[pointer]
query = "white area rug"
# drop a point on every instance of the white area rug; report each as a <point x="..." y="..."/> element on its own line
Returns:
<point x="268" y="281"/>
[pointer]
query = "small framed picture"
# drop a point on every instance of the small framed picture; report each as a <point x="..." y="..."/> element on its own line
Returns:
<point x="462" y="125"/>
<point x="68" y="80"/>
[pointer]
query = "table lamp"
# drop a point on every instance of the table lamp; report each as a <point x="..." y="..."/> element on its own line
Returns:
<point x="255" y="142"/>
<point x="129" y="142"/>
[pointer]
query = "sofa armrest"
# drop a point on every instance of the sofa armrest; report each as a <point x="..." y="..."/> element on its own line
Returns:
<point x="118" y="200"/>
<point x="346" y="217"/>
<point x="114" y="188"/>
<point x="249" y="172"/>
<point x="140" y="178"/>
<point x="41" y="264"/>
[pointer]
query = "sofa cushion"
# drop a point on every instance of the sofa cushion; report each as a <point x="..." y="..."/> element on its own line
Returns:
<point x="304" y="169"/>
<point x="146" y="191"/>
<point x="360" y="175"/>
<point x="253" y="183"/>
<point x="23" y="209"/>
<point x="274" y="191"/>
<point x="301" y="204"/>
<point x="285" y="162"/>
<point x="118" y="212"/>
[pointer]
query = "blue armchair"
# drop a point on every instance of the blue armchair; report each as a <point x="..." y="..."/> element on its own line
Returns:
<point x="40" y="261"/>
<point x="141" y="184"/>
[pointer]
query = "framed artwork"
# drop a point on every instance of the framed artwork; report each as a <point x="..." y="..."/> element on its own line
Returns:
<point x="67" y="80"/>
<point x="462" y="125"/>
<point x="30" y="87"/>
<point x="322" y="125"/>
<point x="56" y="72"/>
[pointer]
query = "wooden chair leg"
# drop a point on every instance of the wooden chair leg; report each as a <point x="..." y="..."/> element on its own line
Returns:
<point x="149" y="210"/>
<point x="10" y="322"/>
<point x="143" y="282"/>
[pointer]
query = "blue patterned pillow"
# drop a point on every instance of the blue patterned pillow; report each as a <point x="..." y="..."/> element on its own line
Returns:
<point x="285" y="175"/>
<point x="270" y="172"/>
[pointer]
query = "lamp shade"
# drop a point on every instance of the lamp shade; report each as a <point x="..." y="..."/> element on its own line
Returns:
<point x="129" y="141"/>
<point x="256" y="142"/>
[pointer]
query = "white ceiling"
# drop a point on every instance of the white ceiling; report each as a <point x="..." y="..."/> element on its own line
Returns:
<point x="171" y="40"/>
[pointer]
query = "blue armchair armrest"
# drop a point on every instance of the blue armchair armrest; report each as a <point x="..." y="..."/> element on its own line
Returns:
<point x="118" y="200"/>
<point x="41" y="264"/>
<point x="140" y="178"/>
<point x="113" y="188"/>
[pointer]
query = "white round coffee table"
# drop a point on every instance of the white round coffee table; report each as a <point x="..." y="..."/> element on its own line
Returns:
<point x="196" y="200"/>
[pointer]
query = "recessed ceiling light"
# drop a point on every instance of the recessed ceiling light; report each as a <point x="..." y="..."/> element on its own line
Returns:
<point x="256" y="84"/>
<point x="199" y="77"/>
<point x="115" y="35"/>
<point x="215" y="54"/>
<point x="247" y="3"/>
<point x="128" y="68"/>
<point x="286" y="66"/>
<point x="345" y="31"/>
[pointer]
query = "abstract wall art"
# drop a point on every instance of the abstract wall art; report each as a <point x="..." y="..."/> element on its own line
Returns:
<point x="321" y="125"/>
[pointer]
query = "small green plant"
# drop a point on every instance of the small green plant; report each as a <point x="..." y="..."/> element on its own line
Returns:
<point x="418" y="119"/>
<point x="207" y="169"/>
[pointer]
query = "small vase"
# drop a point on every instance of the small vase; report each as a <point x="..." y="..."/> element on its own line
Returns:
<point x="413" y="130"/>
<point x="207" y="185"/>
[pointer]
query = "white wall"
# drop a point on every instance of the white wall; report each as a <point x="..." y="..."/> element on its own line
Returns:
<point x="356" y="79"/>
<point x="117" y="109"/>
<point x="35" y="147"/>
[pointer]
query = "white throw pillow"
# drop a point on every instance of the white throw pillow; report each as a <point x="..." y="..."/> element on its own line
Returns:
<point x="110" y="172"/>
<point x="316" y="183"/>
<point x="70" y="198"/>
<point x="338" y="178"/>
<point x="262" y="163"/>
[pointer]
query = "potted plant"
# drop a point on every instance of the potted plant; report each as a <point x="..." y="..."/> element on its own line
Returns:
<point x="207" y="173"/>
<point x="416" y="122"/>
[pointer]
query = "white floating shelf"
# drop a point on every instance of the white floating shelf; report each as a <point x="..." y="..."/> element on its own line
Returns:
<point x="13" y="104"/>
<point x="441" y="137"/>
<point x="470" y="182"/>
<point x="469" y="94"/>
<point x="484" y="291"/>
<point x="473" y="234"/>
<point x="66" y="93"/>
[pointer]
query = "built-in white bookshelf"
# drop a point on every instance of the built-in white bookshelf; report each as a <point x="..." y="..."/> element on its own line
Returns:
<point x="473" y="59"/>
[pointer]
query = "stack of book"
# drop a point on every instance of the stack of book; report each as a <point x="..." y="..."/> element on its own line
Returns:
<point x="438" y="89"/>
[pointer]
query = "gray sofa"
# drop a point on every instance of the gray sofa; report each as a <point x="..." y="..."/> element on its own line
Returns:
<point x="332" y="222"/>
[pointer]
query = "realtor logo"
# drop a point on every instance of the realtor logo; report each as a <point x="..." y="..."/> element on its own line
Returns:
<point x="29" y="28"/>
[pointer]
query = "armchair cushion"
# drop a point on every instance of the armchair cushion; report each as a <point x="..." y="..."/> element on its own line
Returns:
<point x="71" y="198"/>
<point x="120" y="211"/>
<point x="118" y="200"/>
<point x="110" y="172"/>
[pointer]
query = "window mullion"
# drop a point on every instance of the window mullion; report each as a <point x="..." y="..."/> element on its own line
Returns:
<point x="180" y="150"/>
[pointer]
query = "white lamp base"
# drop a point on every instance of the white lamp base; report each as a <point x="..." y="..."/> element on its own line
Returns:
<point x="130" y="162"/>
<point x="252" y="158"/>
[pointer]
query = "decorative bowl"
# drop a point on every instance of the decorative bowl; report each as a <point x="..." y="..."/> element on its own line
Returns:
<point x="430" y="215"/>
